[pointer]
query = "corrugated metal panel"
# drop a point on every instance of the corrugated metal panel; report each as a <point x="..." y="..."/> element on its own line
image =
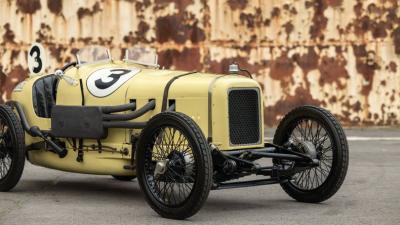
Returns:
<point x="342" y="55"/>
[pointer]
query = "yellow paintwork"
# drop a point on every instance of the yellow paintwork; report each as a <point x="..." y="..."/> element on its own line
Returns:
<point x="190" y="93"/>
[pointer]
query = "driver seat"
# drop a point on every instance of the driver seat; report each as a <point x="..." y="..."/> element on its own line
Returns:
<point x="44" y="92"/>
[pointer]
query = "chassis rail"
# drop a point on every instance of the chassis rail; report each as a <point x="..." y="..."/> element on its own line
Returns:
<point x="242" y="184"/>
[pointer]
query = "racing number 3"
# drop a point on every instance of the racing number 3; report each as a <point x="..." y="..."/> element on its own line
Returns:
<point x="105" y="81"/>
<point x="35" y="53"/>
<point x="115" y="75"/>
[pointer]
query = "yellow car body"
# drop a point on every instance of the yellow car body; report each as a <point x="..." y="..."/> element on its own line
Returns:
<point x="202" y="96"/>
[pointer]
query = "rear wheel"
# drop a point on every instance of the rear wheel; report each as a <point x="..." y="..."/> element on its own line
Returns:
<point x="12" y="149"/>
<point x="321" y="133"/>
<point x="174" y="166"/>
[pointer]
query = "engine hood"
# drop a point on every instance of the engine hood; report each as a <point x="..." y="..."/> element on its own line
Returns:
<point x="126" y="82"/>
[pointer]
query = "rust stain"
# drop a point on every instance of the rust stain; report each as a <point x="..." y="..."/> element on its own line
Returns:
<point x="180" y="4"/>
<point x="332" y="70"/>
<point x="8" y="36"/>
<point x="288" y="29"/>
<point x="82" y="12"/>
<point x="396" y="39"/>
<point x="272" y="114"/>
<point x="16" y="75"/>
<point x="291" y="9"/>
<point x="334" y="3"/>
<point x="237" y="4"/>
<point x="138" y="36"/>
<point x="308" y="61"/>
<point x="282" y="69"/>
<point x="187" y="59"/>
<point x="55" y="6"/>
<point x="252" y="20"/>
<point x="28" y="6"/>
<point x="276" y="12"/>
<point x="14" y="55"/>
<point x="319" y="20"/>
<point x="179" y="29"/>
<point x="141" y="32"/>
<point x="392" y="67"/>
<point x="364" y="67"/>
<point x="44" y="33"/>
<point x="57" y="51"/>
<point x="358" y="8"/>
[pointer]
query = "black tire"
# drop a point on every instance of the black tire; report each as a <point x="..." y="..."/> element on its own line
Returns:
<point x="338" y="151"/>
<point x="124" y="178"/>
<point x="196" y="177"/>
<point x="12" y="149"/>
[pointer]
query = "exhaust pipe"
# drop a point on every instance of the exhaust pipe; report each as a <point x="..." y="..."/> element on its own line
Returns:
<point x="35" y="131"/>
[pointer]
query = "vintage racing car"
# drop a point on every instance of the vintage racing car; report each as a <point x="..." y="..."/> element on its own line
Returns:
<point x="180" y="133"/>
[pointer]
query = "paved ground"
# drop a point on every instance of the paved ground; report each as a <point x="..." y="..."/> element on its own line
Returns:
<point x="370" y="195"/>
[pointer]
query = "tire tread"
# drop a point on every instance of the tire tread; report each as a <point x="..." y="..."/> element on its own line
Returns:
<point x="208" y="168"/>
<point x="330" y="118"/>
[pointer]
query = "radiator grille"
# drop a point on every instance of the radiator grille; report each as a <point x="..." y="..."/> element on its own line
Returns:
<point x="244" y="116"/>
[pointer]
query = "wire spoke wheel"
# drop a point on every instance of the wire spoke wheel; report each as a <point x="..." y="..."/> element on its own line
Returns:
<point x="170" y="169"/>
<point x="12" y="148"/>
<point x="174" y="165"/>
<point x="311" y="131"/>
<point x="315" y="132"/>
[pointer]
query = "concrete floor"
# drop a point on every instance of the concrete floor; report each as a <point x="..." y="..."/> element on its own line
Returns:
<point x="370" y="195"/>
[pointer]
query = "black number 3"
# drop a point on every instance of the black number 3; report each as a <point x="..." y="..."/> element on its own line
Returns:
<point x="38" y="68"/>
<point x="115" y="75"/>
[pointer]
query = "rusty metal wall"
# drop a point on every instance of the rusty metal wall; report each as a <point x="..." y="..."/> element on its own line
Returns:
<point x="339" y="54"/>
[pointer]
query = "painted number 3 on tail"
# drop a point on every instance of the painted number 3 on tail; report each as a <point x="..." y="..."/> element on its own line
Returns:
<point x="36" y="59"/>
<point x="104" y="82"/>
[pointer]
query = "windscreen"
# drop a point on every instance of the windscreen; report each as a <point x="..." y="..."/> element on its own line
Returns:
<point x="141" y="55"/>
<point x="91" y="54"/>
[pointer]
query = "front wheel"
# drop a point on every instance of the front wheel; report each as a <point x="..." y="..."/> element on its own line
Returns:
<point x="321" y="132"/>
<point x="174" y="165"/>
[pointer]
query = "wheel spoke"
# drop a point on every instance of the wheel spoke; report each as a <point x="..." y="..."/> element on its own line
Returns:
<point x="175" y="185"/>
<point x="313" y="132"/>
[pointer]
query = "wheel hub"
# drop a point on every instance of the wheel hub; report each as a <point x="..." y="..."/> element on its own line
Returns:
<point x="308" y="148"/>
<point x="177" y="162"/>
<point x="161" y="167"/>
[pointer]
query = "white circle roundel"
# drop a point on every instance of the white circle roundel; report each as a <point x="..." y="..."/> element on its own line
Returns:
<point x="36" y="58"/>
<point x="103" y="82"/>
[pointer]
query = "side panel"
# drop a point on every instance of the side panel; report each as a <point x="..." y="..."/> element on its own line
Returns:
<point x="191" y="96"/>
